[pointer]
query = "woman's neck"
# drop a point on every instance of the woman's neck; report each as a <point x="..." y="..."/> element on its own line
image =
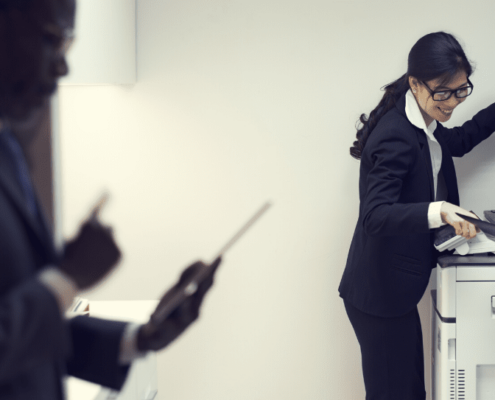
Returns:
<point x="428" y="120"/>
<point x="426" y="117"/>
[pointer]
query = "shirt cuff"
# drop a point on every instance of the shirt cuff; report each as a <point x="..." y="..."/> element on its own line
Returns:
<point x="128" y="345"/>
<point x="63" y="288"/>
<point x="434" y="217"/>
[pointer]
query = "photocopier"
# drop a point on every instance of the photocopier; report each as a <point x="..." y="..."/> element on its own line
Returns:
<point x="463" y="318"/>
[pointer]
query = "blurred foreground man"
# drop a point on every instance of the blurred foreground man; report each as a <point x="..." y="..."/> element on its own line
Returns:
<point x="38" y="346"/>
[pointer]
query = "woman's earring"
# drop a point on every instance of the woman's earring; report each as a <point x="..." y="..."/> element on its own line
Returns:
<point x="414" y="90"/>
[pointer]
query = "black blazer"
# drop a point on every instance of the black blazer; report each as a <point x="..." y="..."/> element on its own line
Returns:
<point x="37" y="346"/>
<point x="392" y="254"/>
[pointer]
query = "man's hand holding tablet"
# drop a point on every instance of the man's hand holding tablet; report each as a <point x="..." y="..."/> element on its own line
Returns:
<point x="179" y="306"/>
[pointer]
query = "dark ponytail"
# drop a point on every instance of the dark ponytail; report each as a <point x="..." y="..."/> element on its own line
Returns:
<point x="393" y="92"/>
<point x="436" y="55"/>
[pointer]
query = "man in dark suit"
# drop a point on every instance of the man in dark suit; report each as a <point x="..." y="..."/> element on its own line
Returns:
<point x="38" y="346"/>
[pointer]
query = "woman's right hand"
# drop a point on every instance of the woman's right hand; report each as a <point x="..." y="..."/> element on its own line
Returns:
<point x="462" y="227"/>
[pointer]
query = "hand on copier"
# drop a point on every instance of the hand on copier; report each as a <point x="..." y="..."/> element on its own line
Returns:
<point x="461" y="226"/>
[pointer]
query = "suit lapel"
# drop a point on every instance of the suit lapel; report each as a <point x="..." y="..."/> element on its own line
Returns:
<point x="36" y="225"/>
<point x="423" y="145"/>
<point x="448" y="169"/>
<point x="425" y="154"/>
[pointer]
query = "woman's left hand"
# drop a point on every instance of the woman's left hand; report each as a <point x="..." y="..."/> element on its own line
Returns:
<point x="462" y="227"/>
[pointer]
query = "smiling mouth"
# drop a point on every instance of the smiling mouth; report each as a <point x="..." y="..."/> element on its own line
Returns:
<point x="446" y="112"/>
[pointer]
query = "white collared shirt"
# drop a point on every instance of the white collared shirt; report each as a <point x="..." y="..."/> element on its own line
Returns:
<point x="416" y="118"/>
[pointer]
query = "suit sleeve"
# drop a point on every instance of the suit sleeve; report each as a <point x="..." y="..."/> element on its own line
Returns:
<point x="31" y="329"/>
<point x="96" y="350"/>
<point x="462" y="139"/>
<point x="389" y="158"/>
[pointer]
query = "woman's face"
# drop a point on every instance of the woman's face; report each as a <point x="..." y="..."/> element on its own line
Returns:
<point x="437" y="110"/>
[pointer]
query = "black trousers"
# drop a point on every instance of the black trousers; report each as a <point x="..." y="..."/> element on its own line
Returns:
<point x="392" y="355"/>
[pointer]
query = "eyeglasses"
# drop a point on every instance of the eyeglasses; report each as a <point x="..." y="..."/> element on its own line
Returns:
<point x="61" y="39"/>
<point x="442" y="95"/>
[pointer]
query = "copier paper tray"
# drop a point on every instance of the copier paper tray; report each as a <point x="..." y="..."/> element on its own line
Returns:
<point x="484" y="242"/>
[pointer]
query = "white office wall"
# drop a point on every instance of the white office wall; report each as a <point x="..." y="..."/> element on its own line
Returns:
<point x="238" y="102"/>
<point x="105" y="49"/>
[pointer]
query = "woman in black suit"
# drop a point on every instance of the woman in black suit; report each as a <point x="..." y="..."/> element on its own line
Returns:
<point x="407" y="187"/>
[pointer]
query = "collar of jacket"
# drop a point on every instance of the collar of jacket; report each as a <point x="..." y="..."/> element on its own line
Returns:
<point x="422" y="140"/>
<point x="37" y="225"/>
<point x="401" y="104"/>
